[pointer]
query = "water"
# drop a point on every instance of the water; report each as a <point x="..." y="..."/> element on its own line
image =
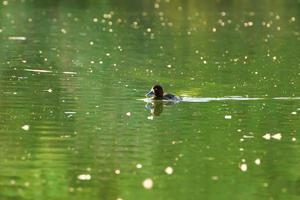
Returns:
<point x="73" y="125"/>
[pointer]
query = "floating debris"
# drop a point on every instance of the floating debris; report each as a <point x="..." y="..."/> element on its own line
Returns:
<point x="12" y="182"/>
<point x="49" y="90"/>
<point x="277" y="136"/>
<point x="169" y="170"/>
<point x="265" y="184"/>
<point x="65" y="136"/>
<point x="243" y="167"/>
<point x="148" y="183"/>
<point x="257" y="161"/>
<point x="228" y="117"/>
<point x="26" y="127"/>
<point x="150" y="117"/>
<point x="70" y="73"/>
<point x="17" y="38"/>
<point x="139" y="166"/>
<point x="248" y="136"/>
<point x="70" y="112"/>
<point x="292" y="19"/>
<point x="84" y="177"/>
<point x="267" y="136"/>
<point x="38" y="70"/>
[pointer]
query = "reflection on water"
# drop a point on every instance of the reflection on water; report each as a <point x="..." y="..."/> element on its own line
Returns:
<point x="71" y="127"/>
<point x="156" y="107"/>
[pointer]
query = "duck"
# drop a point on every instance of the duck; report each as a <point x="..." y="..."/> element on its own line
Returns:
<point x="157" y="93"/>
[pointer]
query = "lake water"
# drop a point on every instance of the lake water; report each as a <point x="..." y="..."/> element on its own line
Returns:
<point x="74" y="123"/>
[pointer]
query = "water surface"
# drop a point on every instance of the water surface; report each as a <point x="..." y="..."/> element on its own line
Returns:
<point x="72" y="125"/>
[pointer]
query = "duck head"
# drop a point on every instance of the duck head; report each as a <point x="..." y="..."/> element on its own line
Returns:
<point x="156" y="92"/>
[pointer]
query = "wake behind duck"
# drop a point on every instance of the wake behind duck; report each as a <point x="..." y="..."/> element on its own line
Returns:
<point x="157" y="93"/>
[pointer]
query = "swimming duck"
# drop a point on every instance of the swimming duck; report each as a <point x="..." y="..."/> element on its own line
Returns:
<point x="157" y="93"/>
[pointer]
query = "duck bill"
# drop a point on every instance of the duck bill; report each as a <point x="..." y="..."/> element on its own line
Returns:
<point x="150" y="94"/>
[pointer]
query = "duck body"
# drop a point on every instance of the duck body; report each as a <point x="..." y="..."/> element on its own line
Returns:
<point x="157" y="93"/>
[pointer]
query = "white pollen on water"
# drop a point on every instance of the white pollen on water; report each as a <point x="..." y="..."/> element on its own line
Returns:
<point x="228" y="117"/>
<point x="17" y="38"/>
<point x="69" y="73"/>
<point x="148" y="183"/>
<point x="277" y="136"/>
<point x="257" y="161"/>
<point x="26" y="127"/>
<point x="84" y="177"/>
<point x="150" y="117"/>
<point x="243" y="167"/>
<point x="169" y="170"/>
<point x="267" y="136"/>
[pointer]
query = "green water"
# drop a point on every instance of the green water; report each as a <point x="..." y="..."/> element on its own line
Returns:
<point x="73" y="125"/>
